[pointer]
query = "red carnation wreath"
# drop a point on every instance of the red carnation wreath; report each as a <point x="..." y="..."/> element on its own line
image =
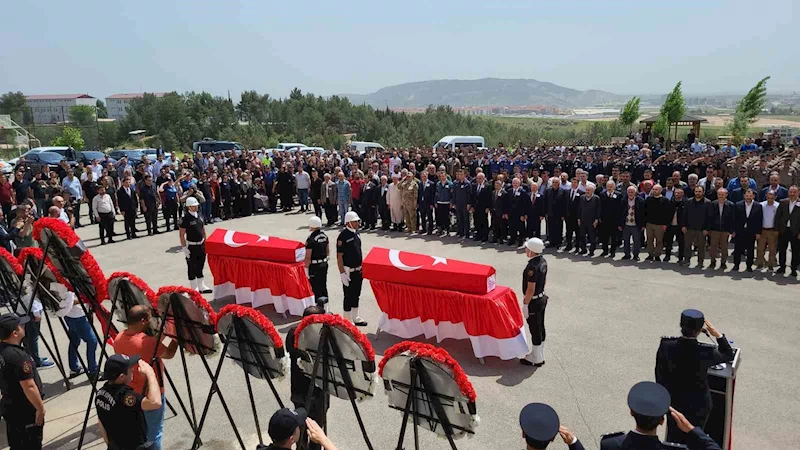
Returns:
<point x="256" y="317"/>
<point x="36" y="254"/>
<point x="210" y="340"/>
<point x="437" y="354"/>
<point x="141" y="292"/>
<point x="340" y="322"/>
<point x="12" y="262"/>
<point x="195" y="296"/>
<point x="138" y="282"/>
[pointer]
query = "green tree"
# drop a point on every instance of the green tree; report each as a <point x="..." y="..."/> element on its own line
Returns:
<point x="70" y="137"/>
<point x="82" y="115"/>
<point x="630" y="112"/>
<point x="102" y="111"/>
<point x="671" y="111"/>
<point x="14" y="104"/>
<point x="748" y="109"/>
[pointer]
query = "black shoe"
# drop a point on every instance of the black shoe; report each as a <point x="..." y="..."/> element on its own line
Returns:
<point x="781" y="270"/>
<point x="649" y="258"/>
<point x="749" y="268"/>
<point x="539" y="364"/>
<point x="793" y="274"/>
<point x="636" y="258"/>
<point x="361" y="323"/>
<point x="724" y="266"/>
<point x="583" y="252"/>
<point x="525" y="362"/>
<point x="604" y="253"/>
<point x="611" y="255"/>
<point x="735" y="268"/>
<point x="626" y="257"/>
<point x="111" y="241"/>
<point x="102" y="242"/>
<point x="156" y="232"/>
<point x="656" y="259"/>
<point x="567" y="248"/>
<point x="667" y="258"/>
<point x="713" y="265"/>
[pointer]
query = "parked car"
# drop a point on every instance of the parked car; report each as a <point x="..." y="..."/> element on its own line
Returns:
<point x="86" y="157"/>
<point x="152" y="154"/>
<point x="133" y="155"/>
<point x="6" y="167"/>
<point x="213" y="146"/>
<point x="35" y="161"/>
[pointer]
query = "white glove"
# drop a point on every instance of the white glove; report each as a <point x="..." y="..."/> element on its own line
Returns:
<point x="345" y="278"/>
<point x="186" y="252"/>
<point x="308" y="274"/>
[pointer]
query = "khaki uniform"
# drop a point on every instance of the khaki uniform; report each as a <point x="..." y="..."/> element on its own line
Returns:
<point x="409" y="190"/>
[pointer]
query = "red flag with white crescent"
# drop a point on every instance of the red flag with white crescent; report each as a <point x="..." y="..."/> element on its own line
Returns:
<point x="395" y="266"/>
<point x="239" y="244"/>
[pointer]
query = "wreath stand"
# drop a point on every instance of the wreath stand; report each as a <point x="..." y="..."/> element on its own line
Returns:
<point x="421" y="384"/>
<point x="328" y="350"/>
<point x="240" y="335"/>
<point x="178" y="314"/>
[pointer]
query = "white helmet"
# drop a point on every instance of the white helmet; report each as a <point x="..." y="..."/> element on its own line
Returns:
<point x="535" y="245"/>
<point x="351" y="216"/>
<point x="191" y="201"/>
<point x="314" y="222"/>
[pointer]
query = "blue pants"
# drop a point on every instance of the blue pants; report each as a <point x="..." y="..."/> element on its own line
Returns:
<point x="206" y="209"/>
<point x="81" y="330"/>
<point x="343" y="208"/>
<point x="303" y="194"/>
<point x="155" y="424"/>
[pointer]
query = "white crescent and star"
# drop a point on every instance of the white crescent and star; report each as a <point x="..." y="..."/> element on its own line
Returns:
<point x="231" y="242"/>
<point x="394" y="258"/>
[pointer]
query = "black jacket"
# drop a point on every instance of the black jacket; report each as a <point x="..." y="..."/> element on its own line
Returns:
<point x="716" y="223"/>
<point x="589" y="209"/>
<point x="536" y="208"/>
<point x="694" y="214"/>
<point x="556" y="202"/>
<point x="656" y="210"/>
<point x="483" y="200"/>
<point x="517" y="203"/>
<point x="748" y="225"/>
<point x="125" y="202"/>
<point x="782" y="216"/>
<point x="675" y="207"/>
<point x="697" y="439"/>
<point x="426" y="194"/>
<point x="611" y="209"/>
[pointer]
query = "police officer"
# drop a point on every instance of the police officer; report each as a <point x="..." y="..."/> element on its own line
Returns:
<point x="193" y="238"/>
<point x="22" y="405"/>
<point x="540" y="426"/>
<point x="348" y="258"/>
<point x="682" y="365"/>
<point x="317" y="251"/>
<point x="533" y="281"/>
<point x="648" y="403"/>
<point x="120" y="410"/>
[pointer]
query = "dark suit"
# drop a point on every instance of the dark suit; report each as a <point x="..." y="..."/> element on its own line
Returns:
<point x="788" y="234"/>
<point x="517" y="205"/>
<point x="720" y="226"/>
<point x="128" y="204"/>
<point x="746" y="229"/>
<point x="696" y="439"/>
<point x="482" y="202"/>
<point x="498" y="209"/>
<point x="589" y="211"/>
<point x="572" y="218"/>
<point x="556" y="206"/>
<point x="425" y="203"/>
<point x="674" y="232"/>
<point x="610" y="219"/>
<point x="535" y="214"/>
<point x="682" y="367"/>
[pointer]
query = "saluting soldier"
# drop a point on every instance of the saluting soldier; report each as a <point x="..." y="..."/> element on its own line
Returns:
<point x="349" y="258"/>
<point x="533" y="281"/>
<point x="317" y="252"/>
<point x="540" y="426"/>
<point x="649" y="402"/>
<point x="682" y="365"/>
<point x="193" y="238"/>
<point x="120" y="409"/>
<point x="22" y="405"/>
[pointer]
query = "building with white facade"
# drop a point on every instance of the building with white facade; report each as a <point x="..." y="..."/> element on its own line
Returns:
<point x="55" y="108"/>
<point x="117" y="104"/>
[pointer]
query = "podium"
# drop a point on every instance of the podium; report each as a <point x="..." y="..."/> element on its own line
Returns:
<point x="722" y="381"/>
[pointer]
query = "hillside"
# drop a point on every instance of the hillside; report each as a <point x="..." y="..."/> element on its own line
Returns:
<point x="486" y="91"/>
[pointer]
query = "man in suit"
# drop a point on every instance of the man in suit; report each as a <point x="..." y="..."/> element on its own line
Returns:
<point x="127" y="200"/>
<point x="589" y="214"/>
<point x="573" y="199"/>
<point x="426" y="202"/>
<point x="674" y="230"/>
<point x="556" y="202"/>
<point x="536" y="212"/>
<point x="719" y="226"/>
<point x="498" y="212"/>
<point x="481" y="205"/>
<point x="517" y="206"/>
<point x="611" y="219"/>
<point x="787" y="221"/>
<point x="383" y="204"/>
<point x="748" y="220"/>
<point x="682" y="365"/>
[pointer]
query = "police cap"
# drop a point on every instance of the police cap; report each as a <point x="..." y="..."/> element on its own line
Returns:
<point x="650" y="399"/>
<point x="9" y="322"/>
<point x="539" y="422"/>
<point x="692" y="319"/>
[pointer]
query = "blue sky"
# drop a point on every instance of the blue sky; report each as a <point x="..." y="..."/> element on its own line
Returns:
<point x="626" y="47"/>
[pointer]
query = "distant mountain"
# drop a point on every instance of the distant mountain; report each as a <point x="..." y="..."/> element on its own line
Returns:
<point x="483" y="92"/>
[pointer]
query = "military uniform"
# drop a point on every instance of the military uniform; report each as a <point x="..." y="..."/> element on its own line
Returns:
<point x="349" y="245"/>
<point x="317" y="245"/>
<point x="536" y="272"/>
<point x="20" y="416"/>
<point x="409" y="192"/>
<point x="682" y="365"/>
<point x="195" y="242"/>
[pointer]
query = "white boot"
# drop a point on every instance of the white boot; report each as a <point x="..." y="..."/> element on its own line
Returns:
<point x="346" y="315"/>
<point x="201" y="286"/>
<point x="193" y="284"/>
<point x="538" y="355"/>
<point x="356" y="319"/>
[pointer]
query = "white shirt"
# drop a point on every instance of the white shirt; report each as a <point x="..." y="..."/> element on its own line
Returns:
<point x="396" y="161"/>
<point x="768" y="220"/>
<point x="62" y="216"/>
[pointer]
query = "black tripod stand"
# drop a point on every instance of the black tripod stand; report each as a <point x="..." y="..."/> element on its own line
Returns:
<point x="176" y="313"/>
<point x="251" y="355"/>
<point x="328" y="355"/>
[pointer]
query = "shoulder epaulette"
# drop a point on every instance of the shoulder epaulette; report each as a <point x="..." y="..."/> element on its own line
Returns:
<point x="706" y="344"/>
<point x="673" y="446"/>
<point x="611" y="435"/>
<point x="670" y="338"/>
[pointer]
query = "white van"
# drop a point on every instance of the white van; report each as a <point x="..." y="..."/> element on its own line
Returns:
<point x="450" y="142"/>
<point x="284" y="146"/>
<point x="360" y="147"/>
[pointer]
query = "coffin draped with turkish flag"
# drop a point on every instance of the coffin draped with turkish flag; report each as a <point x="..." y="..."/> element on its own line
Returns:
<point x="395" y="266"/>
<point x="259" y="270"/>
<point x="434" y="296"/>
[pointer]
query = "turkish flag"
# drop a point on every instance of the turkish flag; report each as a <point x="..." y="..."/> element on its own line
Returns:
<point x="395" y="266"/>
<point x="254" y="246"/>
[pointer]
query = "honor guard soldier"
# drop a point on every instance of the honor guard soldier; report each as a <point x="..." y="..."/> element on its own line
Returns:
<point x="22" y="405"/>
<point x="317" y="251"/>
<point x="648" y="403"/>
<point x="120" y="410"/>
<point x="193" y="238"/>
<point x="348" y="258"/>
<point x="540" y="426"/>
<point x="682" y="365"/>
<point x="533" y="280"/>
